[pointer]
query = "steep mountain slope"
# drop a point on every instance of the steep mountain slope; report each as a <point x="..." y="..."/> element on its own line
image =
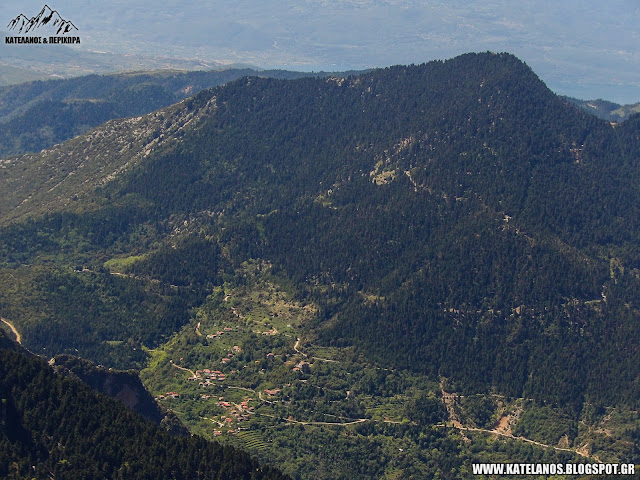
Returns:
<point x="491" y="195"/>
<point x="456" y="220"/>
<point x="55" y="177"/>
<point x="39" y="114"/>
<point x="124" y="386"/>
<point x="54" y="426"/>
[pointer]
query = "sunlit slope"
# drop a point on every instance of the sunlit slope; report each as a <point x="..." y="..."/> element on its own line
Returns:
<point x="455" y="218"/>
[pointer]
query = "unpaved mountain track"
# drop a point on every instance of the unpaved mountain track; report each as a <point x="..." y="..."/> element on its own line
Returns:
<point x="500" y="430"/>
<point x="13" y="329"/>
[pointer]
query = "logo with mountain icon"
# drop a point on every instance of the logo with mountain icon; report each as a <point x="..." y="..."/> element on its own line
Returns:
<point x="46" y="17"/>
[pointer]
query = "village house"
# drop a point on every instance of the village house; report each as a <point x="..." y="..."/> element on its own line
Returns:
<point x="304" y="367"/>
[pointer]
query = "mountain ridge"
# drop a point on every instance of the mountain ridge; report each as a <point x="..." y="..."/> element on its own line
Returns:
<point x="58" y="185"/>
<point x="455" y="220"/>
<point x="37" y="115"/>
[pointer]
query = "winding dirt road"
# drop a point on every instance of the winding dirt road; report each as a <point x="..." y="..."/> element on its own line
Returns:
<point x="528" y="440"/>
<point x="13" y="329"/>
<point x="449" y="398"/>
<point x="193" y="374"/>
<point x="295" y="347"/>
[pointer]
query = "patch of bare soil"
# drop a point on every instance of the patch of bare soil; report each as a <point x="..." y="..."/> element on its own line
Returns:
<point x="507" y="421"/>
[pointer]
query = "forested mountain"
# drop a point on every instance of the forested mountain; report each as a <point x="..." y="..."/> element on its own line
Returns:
<point x="38" y="114"/>
<point x="53" y="426"/>
<point x="455" y="220"/>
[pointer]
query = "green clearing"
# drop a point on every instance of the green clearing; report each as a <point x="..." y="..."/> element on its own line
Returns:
<point x="121" y="264"/>
<point x="253" y="441"/>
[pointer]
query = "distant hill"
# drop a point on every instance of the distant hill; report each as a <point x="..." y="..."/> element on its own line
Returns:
<point x="606" y="110"/>
<point x="12" y="75"/>
<point x="19" y="65"/>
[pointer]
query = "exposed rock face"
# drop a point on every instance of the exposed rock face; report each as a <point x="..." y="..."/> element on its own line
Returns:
<point x="122" y="385"/>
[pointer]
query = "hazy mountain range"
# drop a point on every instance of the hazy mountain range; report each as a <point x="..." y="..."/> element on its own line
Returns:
<point x="607" y="110"/>
<point x="578" y="48"/>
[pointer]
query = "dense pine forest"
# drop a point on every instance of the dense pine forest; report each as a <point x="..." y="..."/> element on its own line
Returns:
<point x="455" y="221"/>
